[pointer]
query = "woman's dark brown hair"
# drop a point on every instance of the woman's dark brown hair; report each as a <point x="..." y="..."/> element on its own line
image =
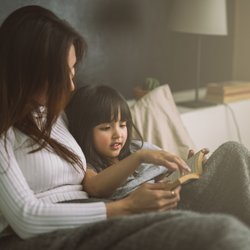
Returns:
<point x="91" y="106"/>
<point x="34" y="49"/>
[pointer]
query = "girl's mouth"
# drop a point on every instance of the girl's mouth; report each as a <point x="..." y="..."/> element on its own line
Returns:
<point x="116" y="146"/>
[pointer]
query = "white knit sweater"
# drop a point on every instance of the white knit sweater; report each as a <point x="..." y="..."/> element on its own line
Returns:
<point x="31" y="184"/>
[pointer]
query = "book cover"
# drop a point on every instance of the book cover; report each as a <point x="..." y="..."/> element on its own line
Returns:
<point x="230" y="87"/>
<point x="196" y="165"/>
<point x="226" y="92"/>
<point x="227" y="98"/>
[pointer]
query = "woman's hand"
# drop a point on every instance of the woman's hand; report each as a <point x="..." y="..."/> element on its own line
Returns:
<point x="192" y="153"/>
<point x="147" y="198"/>
<point x="164" y="158"/>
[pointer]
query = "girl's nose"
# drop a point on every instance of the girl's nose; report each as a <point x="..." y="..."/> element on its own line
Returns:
<point x="116" y="132"/>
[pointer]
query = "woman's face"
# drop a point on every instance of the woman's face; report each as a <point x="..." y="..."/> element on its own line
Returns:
<point x="71" y="62"/>
<point x="109" y="138"/>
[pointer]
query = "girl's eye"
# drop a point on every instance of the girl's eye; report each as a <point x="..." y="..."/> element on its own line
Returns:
<point x="104" y="128"/>
<point x="123" y="124"/>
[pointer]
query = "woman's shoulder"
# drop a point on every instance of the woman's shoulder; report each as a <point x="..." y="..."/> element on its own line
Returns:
<point x="63" y="118"/>
<point x="61" y="124"/>
<point x="9" y="135"/>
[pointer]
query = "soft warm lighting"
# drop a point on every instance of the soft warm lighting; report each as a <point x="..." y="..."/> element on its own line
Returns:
<point x="206" y="17"/>
<point x="198" y="17"/>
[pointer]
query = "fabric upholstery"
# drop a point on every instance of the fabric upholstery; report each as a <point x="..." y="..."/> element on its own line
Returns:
<point x="158" y="120"/>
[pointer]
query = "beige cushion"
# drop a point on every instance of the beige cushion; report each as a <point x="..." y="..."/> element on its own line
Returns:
<point x="158" y="120"/>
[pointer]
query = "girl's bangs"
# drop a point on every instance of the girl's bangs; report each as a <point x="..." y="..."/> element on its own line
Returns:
<point x="109" y="111"/>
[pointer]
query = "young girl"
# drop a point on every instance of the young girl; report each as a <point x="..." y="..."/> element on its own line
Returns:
<point x="101" y="122"/>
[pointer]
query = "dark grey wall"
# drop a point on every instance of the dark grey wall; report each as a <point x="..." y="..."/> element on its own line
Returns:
<point x="128" y="40"/>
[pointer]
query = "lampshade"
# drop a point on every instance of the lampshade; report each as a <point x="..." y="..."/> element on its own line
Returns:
<point x="205" y="17"/>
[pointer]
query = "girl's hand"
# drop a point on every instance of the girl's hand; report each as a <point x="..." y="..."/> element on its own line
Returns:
<point x="164" y="158"/>
<point x="147" y="198"/>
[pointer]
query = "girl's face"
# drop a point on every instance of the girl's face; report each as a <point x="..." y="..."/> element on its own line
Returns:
<point x="109" y="138"/>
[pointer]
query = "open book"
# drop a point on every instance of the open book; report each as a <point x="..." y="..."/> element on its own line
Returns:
<point x="196" y="165"/>
<point x="149" y="172"/>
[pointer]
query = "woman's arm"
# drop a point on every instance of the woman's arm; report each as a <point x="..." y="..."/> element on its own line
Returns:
<point x="147" y="198"/>
<point x="29" y="217"/>
<point x="23" y="211"/>
<point x="104" y="183"/>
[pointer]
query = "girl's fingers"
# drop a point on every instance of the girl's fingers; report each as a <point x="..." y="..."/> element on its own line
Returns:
<point x="176" y="163"/>
<point x="183" y="165"/>
<point x="162" y="157"/>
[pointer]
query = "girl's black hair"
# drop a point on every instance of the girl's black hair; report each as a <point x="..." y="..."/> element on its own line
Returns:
<point x="91" y="106"/>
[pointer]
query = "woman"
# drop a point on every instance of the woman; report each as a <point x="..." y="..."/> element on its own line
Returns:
<point x="42" y="167"/>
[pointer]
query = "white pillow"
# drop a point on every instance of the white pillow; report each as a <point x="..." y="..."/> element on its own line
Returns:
<point x="158" y="120"/>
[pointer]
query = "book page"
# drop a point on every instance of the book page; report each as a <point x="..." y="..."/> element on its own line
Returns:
<point x="196" y="165"/>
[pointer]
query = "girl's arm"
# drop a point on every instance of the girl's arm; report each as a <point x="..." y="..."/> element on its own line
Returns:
<point x="103" y="184"/>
